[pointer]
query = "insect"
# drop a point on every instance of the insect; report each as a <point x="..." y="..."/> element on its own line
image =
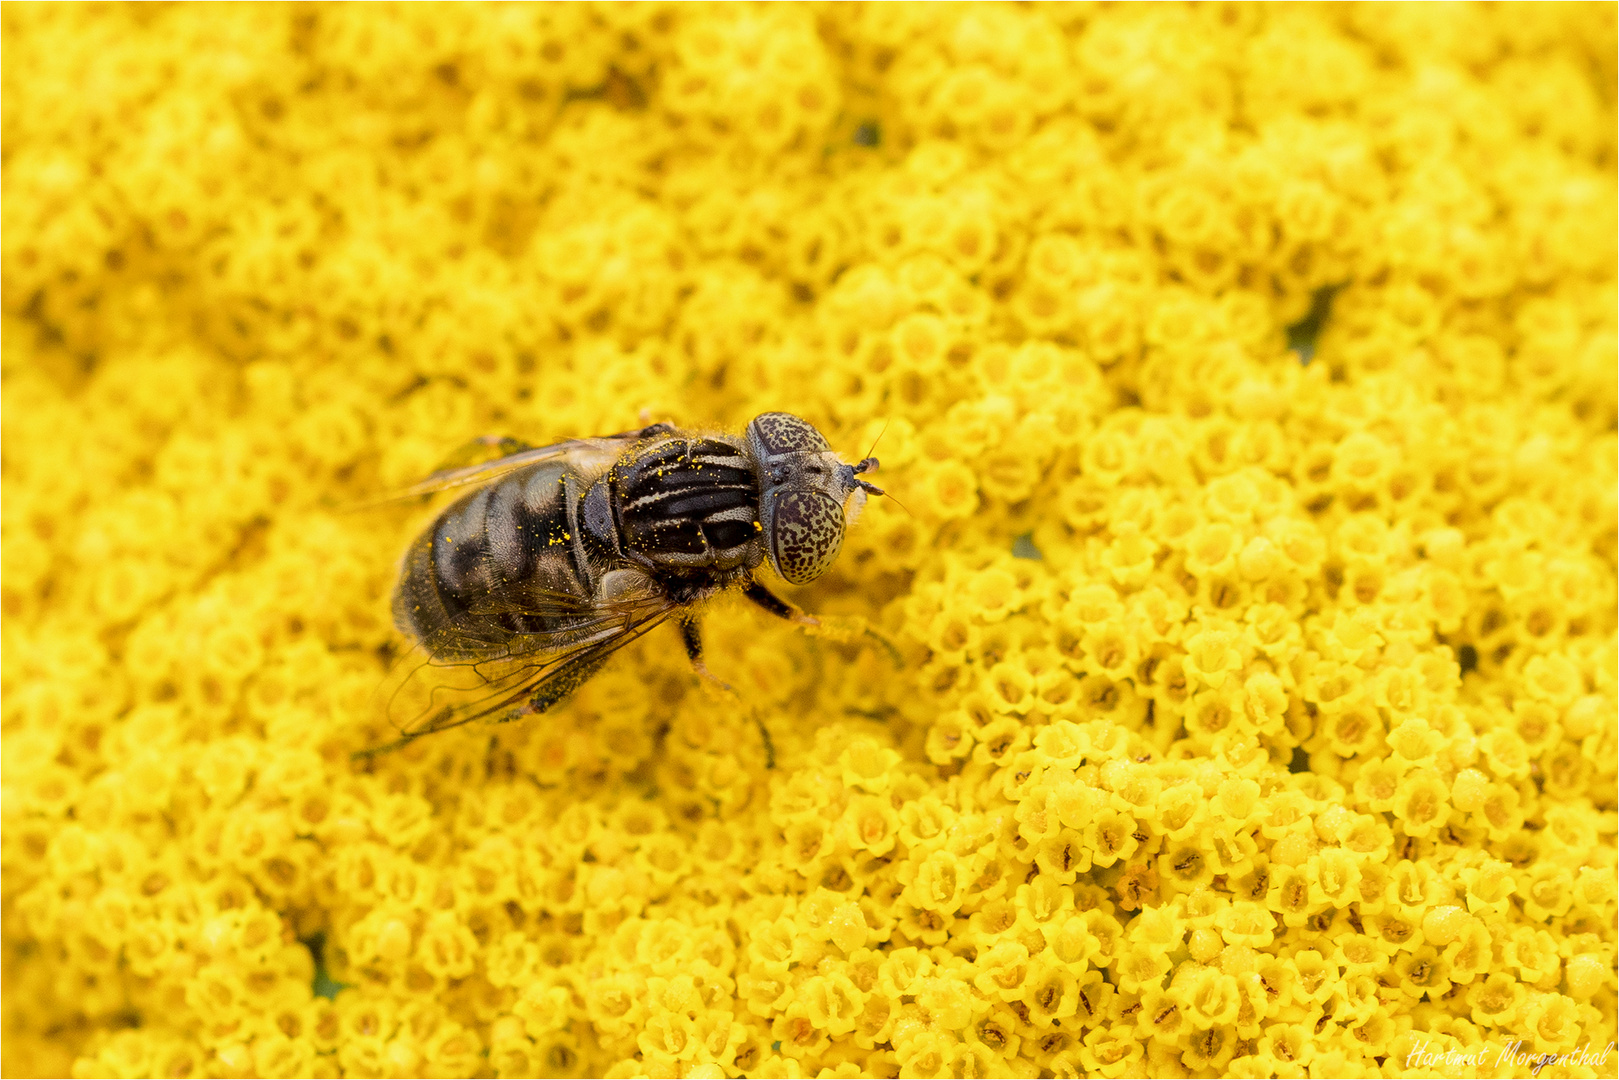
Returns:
<point x="564" y="554"/>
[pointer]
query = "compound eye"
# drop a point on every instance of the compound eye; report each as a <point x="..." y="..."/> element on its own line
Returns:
<point x="806" y="531"/>
<point x="776" y="433"/>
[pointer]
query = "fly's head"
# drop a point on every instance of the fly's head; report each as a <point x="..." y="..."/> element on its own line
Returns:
<point x="807" y="494"/>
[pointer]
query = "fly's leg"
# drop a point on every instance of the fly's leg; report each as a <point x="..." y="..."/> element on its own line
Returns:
<point x="844" y="628"/>
<point x="692" y="636"/>
<point x="550" y="690"/>
<point x="568" y="677"/>
<point x="764" y="736"/>
<point x="778" y="607"/>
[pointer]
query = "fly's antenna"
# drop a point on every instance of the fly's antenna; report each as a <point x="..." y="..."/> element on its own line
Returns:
<point x="874" y="443"/>
<point x="901" y="505"/>
<point x="869" y="464"/>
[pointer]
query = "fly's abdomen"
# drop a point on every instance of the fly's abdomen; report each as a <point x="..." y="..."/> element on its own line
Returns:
<point x="689" y="504"/>
<point x="501" y="562"/>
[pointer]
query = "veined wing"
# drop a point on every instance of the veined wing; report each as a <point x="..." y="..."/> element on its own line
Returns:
<point x="588" y="455"/>
<point x="537" y="671"/>
<point x="497" y="627"/>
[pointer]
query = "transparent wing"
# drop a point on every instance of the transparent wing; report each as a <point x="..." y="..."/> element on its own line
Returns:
<point x="523" y="676"/>
<point x="470" y="639"/>
<point x="587" y="455"/>
<point x="470" y="670"/>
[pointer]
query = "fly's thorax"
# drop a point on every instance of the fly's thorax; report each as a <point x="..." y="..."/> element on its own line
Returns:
<point x="685" y="504"/>
<point x="804" y="487"/>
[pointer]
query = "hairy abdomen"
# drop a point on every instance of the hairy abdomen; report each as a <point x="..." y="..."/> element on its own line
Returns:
<point x="503" y="562"/>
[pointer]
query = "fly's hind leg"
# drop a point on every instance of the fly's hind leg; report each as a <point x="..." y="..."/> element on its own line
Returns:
<point x="844" y="628"/>
<point x="692" y="636"/>
<point x="557" y="685"/>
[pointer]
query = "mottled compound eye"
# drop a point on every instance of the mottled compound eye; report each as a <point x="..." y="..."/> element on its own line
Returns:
<point x="806" y="531"/>
<point x="776" y="433"/>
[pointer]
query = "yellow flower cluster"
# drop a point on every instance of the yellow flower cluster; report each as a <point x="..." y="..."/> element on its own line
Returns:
<point x="1247" y="697"/>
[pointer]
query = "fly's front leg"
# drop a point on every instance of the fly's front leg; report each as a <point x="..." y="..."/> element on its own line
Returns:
<point x="693" y="638"/>
<point x="844" y="628"/>
<point x="778" y="607"/>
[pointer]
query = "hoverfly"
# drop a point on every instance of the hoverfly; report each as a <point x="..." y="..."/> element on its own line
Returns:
<point x="566" y="553"/>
